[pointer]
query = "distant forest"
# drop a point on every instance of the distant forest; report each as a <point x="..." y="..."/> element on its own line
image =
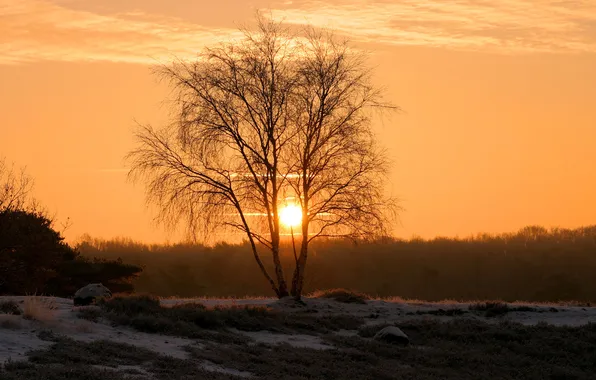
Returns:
<point x="534" y="264"/>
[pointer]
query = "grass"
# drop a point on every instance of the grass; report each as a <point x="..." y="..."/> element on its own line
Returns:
<point x="40" y="309"/>
<point x="99" y="352"/>
<point x="90" y="313"/>
<point x="100" y="360"/>
<point x="58" y="371"/>
<point x="192" y="320"/>
<point x="341" y="295"/>
<point x="460" y="349"/>
<point x="10" y="307"/>
<point x="442" y="312"/>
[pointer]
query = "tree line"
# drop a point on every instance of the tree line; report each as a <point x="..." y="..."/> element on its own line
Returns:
<point x="533" y="264"/>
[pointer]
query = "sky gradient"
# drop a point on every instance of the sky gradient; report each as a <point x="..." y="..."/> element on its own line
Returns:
<point x="497" y="130"/>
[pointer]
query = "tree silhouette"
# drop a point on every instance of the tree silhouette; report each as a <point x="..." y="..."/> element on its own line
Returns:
<point x="272" y="117"/>
<point x="15" y="187"/>
<point x="341" y="171"/>
<point x="34" y="258"/>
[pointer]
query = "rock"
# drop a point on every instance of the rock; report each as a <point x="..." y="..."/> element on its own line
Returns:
<point x="87" y="294"/>
<point x="392" y="334"/>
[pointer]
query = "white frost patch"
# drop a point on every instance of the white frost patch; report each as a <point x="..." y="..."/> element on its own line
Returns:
<point x="212" y="367"/>
<point x="294" y="340"/>
<point x="18" y="336"/>
<point x="15" y="343"/>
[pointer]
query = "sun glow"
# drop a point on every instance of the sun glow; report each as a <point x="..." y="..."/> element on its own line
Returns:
<point x="291" y="216"/>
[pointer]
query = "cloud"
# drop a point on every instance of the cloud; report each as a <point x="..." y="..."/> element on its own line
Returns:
<point x="37" y="30"/>
<point x="504" y="26"/>
<point x="33" y="30"/>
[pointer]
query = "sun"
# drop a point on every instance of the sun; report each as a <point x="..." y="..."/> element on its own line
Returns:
<point x="291" y="216"/>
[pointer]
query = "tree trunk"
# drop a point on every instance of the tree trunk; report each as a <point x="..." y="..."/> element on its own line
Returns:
<point x="255" y="253"/>
<point x="263" y="270"/>
<point x="299" y="271"/>
<point x="282" y="287"/>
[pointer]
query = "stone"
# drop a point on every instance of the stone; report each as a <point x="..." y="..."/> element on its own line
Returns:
<point x="87" y="294"/>
<point x="392" y="334"/>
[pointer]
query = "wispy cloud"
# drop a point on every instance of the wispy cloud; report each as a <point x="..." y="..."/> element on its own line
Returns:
<point x="506" y="26"/>
<point x="34" y="30"/>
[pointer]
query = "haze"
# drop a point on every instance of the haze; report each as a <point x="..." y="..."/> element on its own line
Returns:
<point x="497" y="130"/>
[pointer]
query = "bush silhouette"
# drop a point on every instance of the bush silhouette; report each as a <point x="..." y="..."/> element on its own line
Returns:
<point x="35" y="259"/>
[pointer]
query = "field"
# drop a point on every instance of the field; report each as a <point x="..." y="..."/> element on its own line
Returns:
<point x="330" y="337"/>
<point x="203" y="312"/>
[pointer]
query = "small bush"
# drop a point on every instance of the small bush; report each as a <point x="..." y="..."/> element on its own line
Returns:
<point x="524" y="308"/>
<point x="443" y="312"/>
<point x="342" y="295"/>
<point x="496" y="308"/>
<point x="131" y="305"/>
<point x="10" y="307"/>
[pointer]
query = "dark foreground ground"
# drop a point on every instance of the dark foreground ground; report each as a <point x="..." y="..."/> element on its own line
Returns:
<point x="221" y="346"/>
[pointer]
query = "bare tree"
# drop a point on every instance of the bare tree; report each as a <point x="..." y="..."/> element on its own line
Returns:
<point x="260" y="120"/>
<point x="217" y="165"/>
<point x="15" y="195"/>
<point x="341" y="172"/>
<point x="15" y="187"/>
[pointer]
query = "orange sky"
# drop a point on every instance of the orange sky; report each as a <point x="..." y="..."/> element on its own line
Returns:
<point x="499" y="99"/>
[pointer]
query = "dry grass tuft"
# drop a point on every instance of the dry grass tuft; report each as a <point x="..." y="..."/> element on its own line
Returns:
<point x="42" y="309"/>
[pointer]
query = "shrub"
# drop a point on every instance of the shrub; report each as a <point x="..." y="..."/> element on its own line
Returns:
<point x="35" y="258"/>
<point x="342" y="295"/>
<point x="131" y="305"/>
<point x="491" y="309"/>
<point x="497" y="308"/>
<point x="10" y="307"/>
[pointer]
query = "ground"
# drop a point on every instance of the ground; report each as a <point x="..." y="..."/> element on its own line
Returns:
<point x="147" y="338"/>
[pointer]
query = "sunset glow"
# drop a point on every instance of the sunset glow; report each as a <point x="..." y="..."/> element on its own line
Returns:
<point x="495" y="132"/>
<point x="291" y="216"/>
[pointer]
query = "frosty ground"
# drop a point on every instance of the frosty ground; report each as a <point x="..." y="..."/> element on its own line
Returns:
<point x="326" y="338"/>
